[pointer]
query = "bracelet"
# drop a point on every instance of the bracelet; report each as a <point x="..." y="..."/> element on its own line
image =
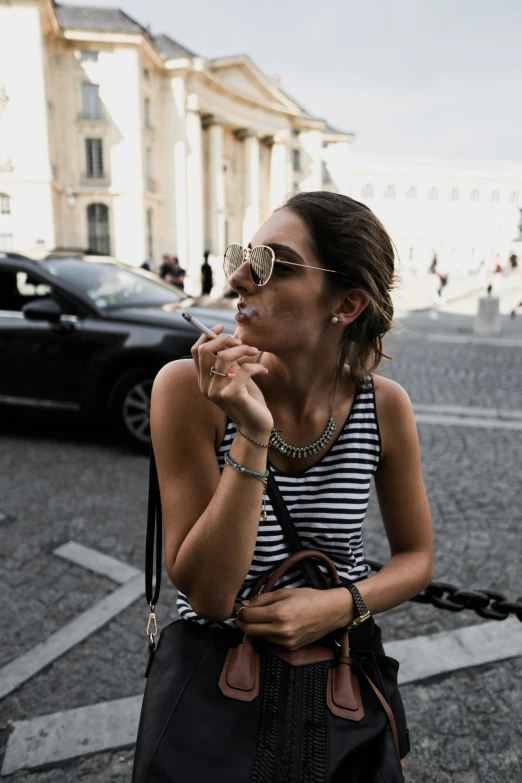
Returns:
<point x="263" y="477"/>
<point x="242" y="469"/>
<point x="263" y="446"/>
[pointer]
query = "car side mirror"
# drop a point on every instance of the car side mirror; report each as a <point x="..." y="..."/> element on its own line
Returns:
<point x="42" y="310"/>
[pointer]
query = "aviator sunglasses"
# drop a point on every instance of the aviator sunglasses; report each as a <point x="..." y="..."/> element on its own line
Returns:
<point x="261" y="260"/>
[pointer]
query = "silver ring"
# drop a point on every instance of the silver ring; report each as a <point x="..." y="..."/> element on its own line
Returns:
<point x="213" y="371"/>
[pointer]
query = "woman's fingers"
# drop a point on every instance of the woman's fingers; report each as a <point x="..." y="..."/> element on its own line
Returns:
<point x="229" y="355"/>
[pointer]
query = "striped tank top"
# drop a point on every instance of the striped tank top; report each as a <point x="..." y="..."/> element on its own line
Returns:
<point x="327" y="503"/>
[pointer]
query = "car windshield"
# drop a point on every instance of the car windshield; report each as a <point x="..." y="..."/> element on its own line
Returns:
<point x="109" y="285"/>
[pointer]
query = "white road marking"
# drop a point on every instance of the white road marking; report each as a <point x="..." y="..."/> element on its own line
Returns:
<point x="25" y="666"/>
<point x="426" y="656"/>
<point x="54" y="738"/>
<point x="51" y="739"/>
<point x="461" y="410"/>
<point x="503" y="342"/>
<point x="467" y="421"/>
<point x="97" y="562"/>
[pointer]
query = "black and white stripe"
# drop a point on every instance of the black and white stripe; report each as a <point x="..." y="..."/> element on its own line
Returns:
<point x="327" y="503"/>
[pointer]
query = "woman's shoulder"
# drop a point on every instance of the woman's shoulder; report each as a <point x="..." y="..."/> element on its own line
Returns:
<point x="389" y="394"/>
<point x="394" y="411"/>
<point x="176" y="395"/>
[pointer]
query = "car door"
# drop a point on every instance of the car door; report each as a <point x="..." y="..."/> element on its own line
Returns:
<point x="40" y="365"/>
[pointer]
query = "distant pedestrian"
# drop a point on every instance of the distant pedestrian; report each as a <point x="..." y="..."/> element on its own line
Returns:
<point x="207" y="276"/>
<point x="171" y="272"/>
<point x="513" y="262"/>
<point x="148" y="264"/>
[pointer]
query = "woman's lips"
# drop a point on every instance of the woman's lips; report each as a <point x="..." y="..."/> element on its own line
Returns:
<point x="245" y="312"/>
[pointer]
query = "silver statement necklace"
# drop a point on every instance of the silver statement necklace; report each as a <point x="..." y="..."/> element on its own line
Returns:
<point x="298" y="452"/>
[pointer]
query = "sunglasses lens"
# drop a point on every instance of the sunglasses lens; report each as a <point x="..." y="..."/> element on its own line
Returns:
<point x="233" y="259"/>
<point x="261" y="262"/>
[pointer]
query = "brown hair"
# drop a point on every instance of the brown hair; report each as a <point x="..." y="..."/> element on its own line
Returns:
<point x="347" y="237"/>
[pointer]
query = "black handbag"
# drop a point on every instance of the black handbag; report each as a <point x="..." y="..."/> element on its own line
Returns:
<point x="220" y="706"/>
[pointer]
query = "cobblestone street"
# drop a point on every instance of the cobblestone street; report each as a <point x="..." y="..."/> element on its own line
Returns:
<point x="61" y="483"/>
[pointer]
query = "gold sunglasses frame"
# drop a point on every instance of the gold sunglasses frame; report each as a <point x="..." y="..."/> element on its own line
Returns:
<point x="247" y="256"/>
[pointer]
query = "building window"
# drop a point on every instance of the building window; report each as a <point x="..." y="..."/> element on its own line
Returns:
<point x="433" y="194"/>
<point x="367" y="191"/>
<point x="296" y="160"/>
<point x="411" y="192"/>
<point x="150" y="242"/>
<point x="454" y="194"/>
<point x="474" y="195"/>
<point x="5" y="204"/>
<point x="495" y="197"/>
<point x="514" y="197"/>
<point x="146" y="73"/>
<point x="91" y="104"/>
<point x="6" y="242"/>
<point x="94" y="158"/>
<point x="98" y="229"/>
<point x="390" y="191"/>
<point x="149" y="168"/>
<point x="88" y="56"/>
<point x="146" y="111"/>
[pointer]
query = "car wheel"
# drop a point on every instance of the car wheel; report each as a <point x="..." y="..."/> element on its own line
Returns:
<point x="129" y="407"/>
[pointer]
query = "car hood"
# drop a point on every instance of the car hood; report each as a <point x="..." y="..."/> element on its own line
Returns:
<point x="169" y="316"/>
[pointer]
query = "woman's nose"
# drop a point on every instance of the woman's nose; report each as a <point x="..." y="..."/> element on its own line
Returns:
<point x="240" y="280"/>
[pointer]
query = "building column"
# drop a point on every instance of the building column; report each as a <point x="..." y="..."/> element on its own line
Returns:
<point x="194" y="196"/>
<point x="250" y="184"/>
<point x="279" y="189"/>
<point x="216" y="140"/>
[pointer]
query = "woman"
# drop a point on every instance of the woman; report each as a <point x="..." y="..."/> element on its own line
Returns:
<point x="307" y="340"/>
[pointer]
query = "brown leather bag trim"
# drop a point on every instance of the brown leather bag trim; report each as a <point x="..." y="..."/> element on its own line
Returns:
<point x="310" y="653"/>
<point x="226" y="682"/>
<point x="340" y="710"/>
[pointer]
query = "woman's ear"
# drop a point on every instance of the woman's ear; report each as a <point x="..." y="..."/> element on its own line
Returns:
<point x="351" y="306"/>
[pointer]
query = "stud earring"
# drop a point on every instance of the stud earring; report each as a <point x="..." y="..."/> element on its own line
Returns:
<point x="336" y="320"/>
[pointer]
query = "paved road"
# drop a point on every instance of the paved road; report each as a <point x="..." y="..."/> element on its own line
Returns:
<point x="63" y="483"/>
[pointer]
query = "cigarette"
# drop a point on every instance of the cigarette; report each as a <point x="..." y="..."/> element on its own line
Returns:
<point x="202" y="328"/>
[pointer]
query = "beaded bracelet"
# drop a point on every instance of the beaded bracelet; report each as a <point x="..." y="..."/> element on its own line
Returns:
<point x="263" y="477"/>
<point x="263" y="445"/>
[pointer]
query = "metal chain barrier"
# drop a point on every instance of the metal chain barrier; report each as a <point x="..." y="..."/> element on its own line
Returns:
<point x="486" y="603"/>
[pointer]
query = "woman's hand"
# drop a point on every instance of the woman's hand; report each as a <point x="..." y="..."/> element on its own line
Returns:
<point x="294" y="617"/>
<point x="237" y="394"/>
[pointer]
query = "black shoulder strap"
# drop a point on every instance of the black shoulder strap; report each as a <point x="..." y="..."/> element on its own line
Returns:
<point x="154" y="535"/>
<point x="312" y="575"/>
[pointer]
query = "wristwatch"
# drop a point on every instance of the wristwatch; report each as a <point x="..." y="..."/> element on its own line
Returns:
<point x="362" y="609"/>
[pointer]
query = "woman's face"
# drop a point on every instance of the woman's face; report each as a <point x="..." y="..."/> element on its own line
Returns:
<point x="291" y="310"/>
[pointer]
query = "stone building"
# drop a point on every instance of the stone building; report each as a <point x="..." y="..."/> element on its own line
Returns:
<point x="467" y="212"/>
<point x="129" y="144"/>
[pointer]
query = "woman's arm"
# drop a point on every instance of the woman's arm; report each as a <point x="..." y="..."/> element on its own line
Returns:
<point x="301" y="616"/>
<point x="403" y="503"/>
<point x="210" y="519"/>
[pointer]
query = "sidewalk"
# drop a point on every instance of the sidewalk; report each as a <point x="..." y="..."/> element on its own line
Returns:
<point x="416" y="312"/>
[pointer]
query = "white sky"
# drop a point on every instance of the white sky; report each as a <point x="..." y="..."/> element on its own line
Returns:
<point x="409" y="77"/>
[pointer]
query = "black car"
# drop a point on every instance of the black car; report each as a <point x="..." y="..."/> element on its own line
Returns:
<point x="90" y="336"/>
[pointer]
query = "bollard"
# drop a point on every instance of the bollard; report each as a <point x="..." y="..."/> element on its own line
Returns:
<point x="487" y="321"/>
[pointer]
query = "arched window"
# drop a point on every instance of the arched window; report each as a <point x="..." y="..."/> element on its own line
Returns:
<point x="390" y="191"/>
<point x="514" y="197"/>
<point x="98" y="229"/>
<point x="5" y="204"/>
<point x="454" y="194"/>
<point x="495" y="197"/>
<point x="367" y="191"/>
<point x="474" y="195"/>
<point x="433" y="194"/>
<point x="411" y="192"/>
